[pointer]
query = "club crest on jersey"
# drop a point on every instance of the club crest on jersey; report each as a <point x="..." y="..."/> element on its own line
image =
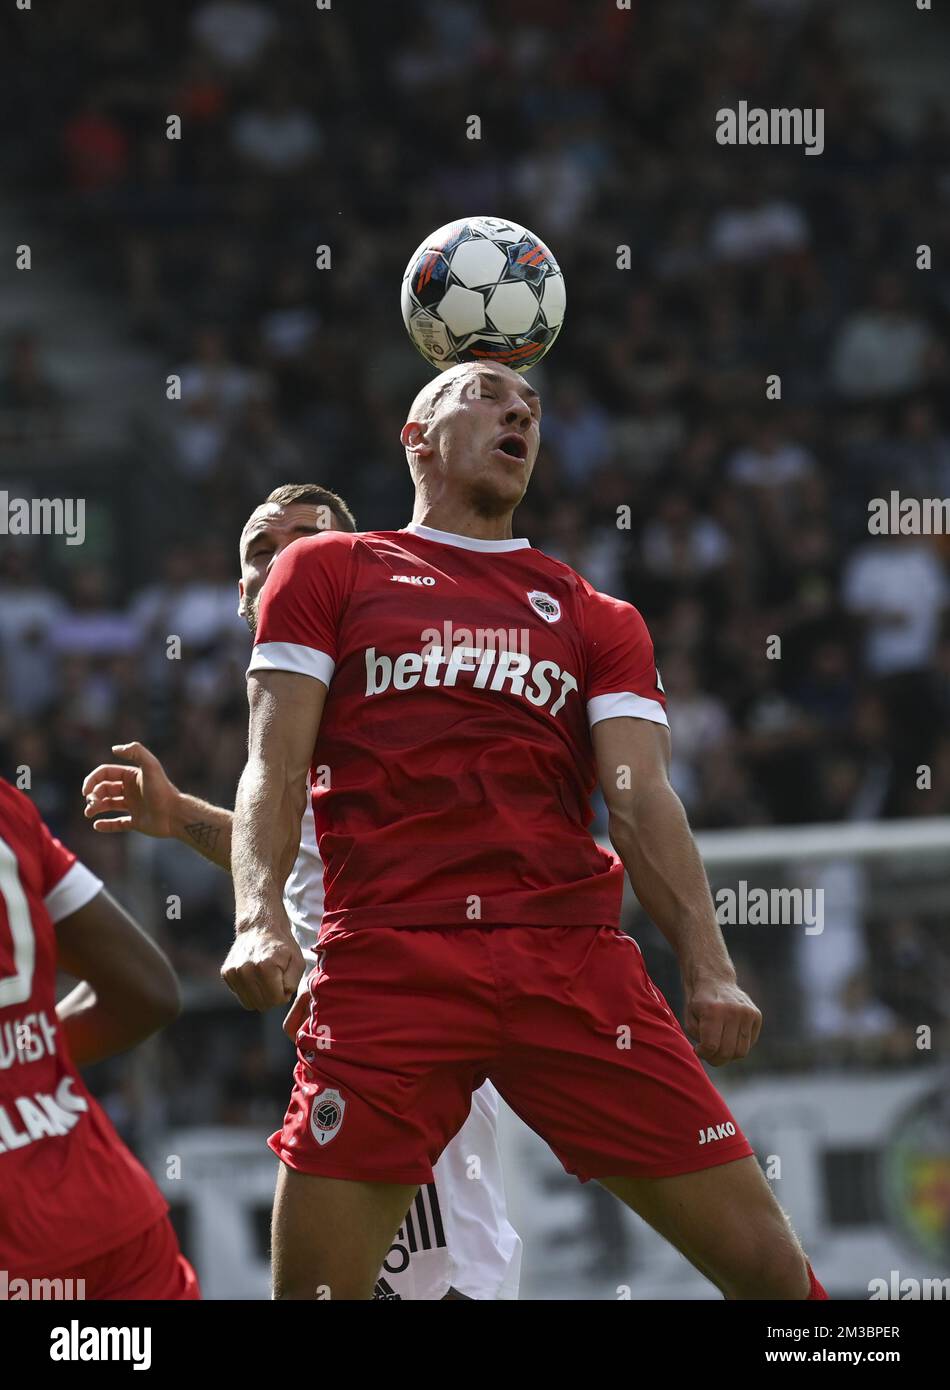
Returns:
<point x="548" y="607"/>
<point x="326" y="1116"/>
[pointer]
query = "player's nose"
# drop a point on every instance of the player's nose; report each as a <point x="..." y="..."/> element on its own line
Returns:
<point x="518" y="413"/>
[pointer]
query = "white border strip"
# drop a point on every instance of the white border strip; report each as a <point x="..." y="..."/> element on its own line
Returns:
<point x="77" y="887"/>
<point x="292" y="656"/>
<point x="428" y="533"/>
<point x="625" y="705"/>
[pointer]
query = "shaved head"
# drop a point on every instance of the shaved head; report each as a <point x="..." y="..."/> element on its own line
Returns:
<point x="426" y="400"/>
<point x="463" y="375"/>
<point x="471" y="438"/>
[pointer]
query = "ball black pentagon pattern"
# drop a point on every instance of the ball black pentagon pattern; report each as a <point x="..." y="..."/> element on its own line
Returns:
<point x="543" y="335"/>
<point x="527" y="260"/>
<point x="431" y="279"/>
<point x="483" y="288"/>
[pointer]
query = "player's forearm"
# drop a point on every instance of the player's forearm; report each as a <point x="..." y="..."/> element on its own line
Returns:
<point x="204" y="828"/>
<point x="653" y="839"/>
<point x="94" y="1031"/>
<point x="265" y="838"/>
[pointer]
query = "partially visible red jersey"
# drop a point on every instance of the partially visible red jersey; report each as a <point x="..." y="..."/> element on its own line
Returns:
<point x="454" y="764"/>
<point x="69" y="1188"/>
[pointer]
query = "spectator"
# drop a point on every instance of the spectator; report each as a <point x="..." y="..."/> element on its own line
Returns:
<point x="92" y="626"/>
<point x="30" y="613"/>
<point x="855" y="1016"/>
<point x="277" y="137"/>
<point x="882" y="349"/>
<point x="29" y="400"/>
<point x="898" y="588"/>
<point x="701" y="721"/>
<point x="770" y="460"/>
<point x="234" y="32"/>
<point x="577" y="433"/>
<point x="214" y="389"/>
<point x="95" y="147"/>
<point x="678" y="543"/>
<point x="914" y="973"/>
<point x="756" y="227"/>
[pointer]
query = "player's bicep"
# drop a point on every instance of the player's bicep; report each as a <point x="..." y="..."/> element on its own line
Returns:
<point x="632" y="757"/>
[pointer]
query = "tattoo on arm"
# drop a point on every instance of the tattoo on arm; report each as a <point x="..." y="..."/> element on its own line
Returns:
<point x="204" y="834"/>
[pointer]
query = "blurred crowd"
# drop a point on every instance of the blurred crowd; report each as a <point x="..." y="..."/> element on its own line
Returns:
<point x="667" y="476"/>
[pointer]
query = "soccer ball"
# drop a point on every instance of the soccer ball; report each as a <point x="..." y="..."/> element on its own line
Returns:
<point x="483" y="290"/>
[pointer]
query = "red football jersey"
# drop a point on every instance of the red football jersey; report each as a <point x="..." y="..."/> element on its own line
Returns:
<point x="69" y="1188"/>
<point x="454" y="765"/>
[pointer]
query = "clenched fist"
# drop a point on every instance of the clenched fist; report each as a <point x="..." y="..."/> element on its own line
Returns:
<point x="263" y="967"/>
<point x="723" y="1018"/>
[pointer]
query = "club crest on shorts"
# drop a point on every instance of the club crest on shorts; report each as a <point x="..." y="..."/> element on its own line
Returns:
<point x="326" y="1116"/>
<point x="548" y="607"/>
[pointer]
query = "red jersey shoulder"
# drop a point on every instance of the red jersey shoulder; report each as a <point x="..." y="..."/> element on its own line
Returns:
<point x="41" y="858"/>
<point x="329" y="548"/>
<point x="620" y="656"/>
<point x="602" y="611"/>
<point x="18" y="815"/>
<point x="326" y="558"/>
<point x="306" y="592"/>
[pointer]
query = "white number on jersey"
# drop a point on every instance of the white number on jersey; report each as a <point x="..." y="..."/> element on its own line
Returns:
<point x="16" y="988"/>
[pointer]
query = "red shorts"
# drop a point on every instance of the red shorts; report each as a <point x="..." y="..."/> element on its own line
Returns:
<point x="405" y="1023"/>
<point x="150" y="1266"/>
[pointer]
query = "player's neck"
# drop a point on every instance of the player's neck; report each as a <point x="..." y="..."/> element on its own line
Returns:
<point x="462" y="521"/>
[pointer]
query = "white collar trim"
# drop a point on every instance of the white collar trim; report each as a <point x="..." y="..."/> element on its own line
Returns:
<point x="428" y="533"/>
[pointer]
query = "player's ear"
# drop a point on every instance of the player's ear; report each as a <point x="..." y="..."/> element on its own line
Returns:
<point x="240" y="598"/>
<point x="413" y="437"/>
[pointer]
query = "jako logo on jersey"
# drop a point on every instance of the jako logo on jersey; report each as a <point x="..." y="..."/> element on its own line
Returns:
<point x="326" y="1116"/>
<point x="548" y="607"/>
<point x="708" y="1136"/>
<point x="405" y="672"/>
<point x="426" y="579"/>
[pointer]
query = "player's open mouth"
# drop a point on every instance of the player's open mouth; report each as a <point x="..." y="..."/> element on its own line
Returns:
<point x="514" y="445"/>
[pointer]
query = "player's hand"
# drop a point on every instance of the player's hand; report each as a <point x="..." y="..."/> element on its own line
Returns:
<point x="139" y="797"/>
<point x="263" y="967"/>
<point x="723" y="1019"/>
